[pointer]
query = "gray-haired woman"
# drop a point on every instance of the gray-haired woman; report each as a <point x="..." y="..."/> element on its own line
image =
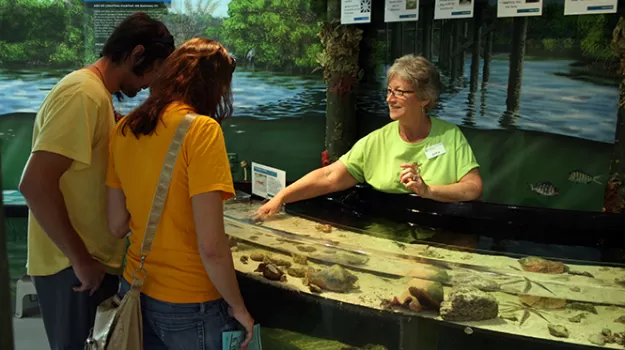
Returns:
<point x="413" y="153"/>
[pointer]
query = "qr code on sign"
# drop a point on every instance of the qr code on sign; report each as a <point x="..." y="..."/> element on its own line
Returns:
<point x="365" y="6"/>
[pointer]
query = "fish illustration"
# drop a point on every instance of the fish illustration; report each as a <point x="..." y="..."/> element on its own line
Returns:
<point x="546" y="189"/>
<point x="581" y="177"/>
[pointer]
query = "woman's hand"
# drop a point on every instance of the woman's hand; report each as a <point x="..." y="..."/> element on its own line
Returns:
<point x="269" y="208"/>
<point x="245" y="319"/>
<point x="411" y="178"/>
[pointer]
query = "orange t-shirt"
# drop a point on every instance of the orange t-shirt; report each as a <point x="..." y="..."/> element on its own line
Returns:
<point x="175" y="272"/>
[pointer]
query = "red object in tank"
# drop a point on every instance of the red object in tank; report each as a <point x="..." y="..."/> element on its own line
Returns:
<point x="325" y="158"/>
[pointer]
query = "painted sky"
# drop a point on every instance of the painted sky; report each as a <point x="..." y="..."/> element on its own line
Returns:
<point x="221" y="11"/>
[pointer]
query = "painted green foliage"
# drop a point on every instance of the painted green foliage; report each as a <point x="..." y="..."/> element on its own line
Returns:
<point x="614" y="196"/>
<point x="339" y="57"/>
<point x="282" y="33"/>
<point x="42" y="32"/>
<point x="553" y="33"/>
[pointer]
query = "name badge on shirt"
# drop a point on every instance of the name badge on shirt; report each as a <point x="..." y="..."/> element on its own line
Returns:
<point x="435" y="150"/>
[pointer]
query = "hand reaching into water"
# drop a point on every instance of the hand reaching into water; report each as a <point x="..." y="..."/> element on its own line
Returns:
<point x="246" y="320"/>
<point x="268" y="209"/>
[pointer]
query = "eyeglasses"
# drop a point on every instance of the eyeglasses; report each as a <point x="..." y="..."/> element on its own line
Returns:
<point x="397" y="92"/>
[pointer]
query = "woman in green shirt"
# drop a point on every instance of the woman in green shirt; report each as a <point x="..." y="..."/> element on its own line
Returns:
<point x="413" y="153"/>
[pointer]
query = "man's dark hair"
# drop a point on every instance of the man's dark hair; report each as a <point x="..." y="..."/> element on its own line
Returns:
<point x="198" y="74"/>
<point x="139" y="29"/>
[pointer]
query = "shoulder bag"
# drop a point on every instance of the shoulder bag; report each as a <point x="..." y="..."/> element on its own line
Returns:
<point x="118" y="323"/>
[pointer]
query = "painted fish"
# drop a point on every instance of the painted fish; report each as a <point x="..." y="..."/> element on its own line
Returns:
<point x="546" y="189"/>
<point x="581" y="177"/>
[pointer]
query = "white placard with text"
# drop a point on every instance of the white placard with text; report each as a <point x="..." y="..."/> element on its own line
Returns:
<point x="588" y="7"/>
<point x="355" y="11"/>
<point x="450" y="9"/>
<point x="401" y="10"/>
<point x="519" y="8"/>
<point x="267" y="181"/>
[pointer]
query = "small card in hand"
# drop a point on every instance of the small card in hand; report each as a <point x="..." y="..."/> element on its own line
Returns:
<point x="232" y="340"/>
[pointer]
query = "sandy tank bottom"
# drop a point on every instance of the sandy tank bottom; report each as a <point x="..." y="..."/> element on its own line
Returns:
<point x="576" y="303"/>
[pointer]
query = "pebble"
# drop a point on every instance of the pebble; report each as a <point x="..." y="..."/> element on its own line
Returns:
<point x="510" y="317"/>
<point x="577" y="319"/>
<point x="597" y="339"/>
<point x="582" y="307"/>
<point x="306" y="249"/>
<point x="558" y="331"/>
<point x="257" y="256"/>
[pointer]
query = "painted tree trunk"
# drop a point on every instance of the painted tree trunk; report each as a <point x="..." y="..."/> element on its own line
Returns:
<point x="464" y="30"/>
<point x="443" y="52"/>
<point x="368" y="60"/>
<point x="456" y="60"/>
<point x="488" y="56"/>
<point x="397" y="40"/>
<point x="477" y="47"/>
<point x="451" y="31"/>
<point x="614" y="199"/>
<point x="6" y="315"/>
<point x="341" y="45"/>
<point x="428" y="32"/>
<point x="515" y="77"/>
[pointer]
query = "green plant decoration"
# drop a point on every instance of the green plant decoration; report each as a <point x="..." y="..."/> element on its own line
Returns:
<point x="614" y="201"/>
<point x="339" y="58"/>
<point x="618" y="47"/>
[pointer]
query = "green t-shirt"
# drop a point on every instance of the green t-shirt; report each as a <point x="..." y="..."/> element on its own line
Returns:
<point x="376" y="158"/>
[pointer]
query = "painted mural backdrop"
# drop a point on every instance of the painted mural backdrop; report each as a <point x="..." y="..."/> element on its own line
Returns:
<point x="543" y="137"/>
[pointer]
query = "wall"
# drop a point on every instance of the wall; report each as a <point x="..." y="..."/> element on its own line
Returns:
<point x="562" y="119"/>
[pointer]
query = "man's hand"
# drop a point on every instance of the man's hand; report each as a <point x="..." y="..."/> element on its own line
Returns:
<point x="90" y="273"/>
<point x="411" y="178"/>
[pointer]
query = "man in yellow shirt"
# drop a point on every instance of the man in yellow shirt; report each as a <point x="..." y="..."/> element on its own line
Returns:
<point x="73" y="259"/>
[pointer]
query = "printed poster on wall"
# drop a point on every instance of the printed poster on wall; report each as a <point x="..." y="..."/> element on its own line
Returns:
<point x="267" y="181"/>
<point x="106" y="14"/>
<point x="401" y="10"/>
<point x="587" y="7"/>
<point x="450" y="9"/>
<point x="355" y="11"/>
<point x="519" y="8"/>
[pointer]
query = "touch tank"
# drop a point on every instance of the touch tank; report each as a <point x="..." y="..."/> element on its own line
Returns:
<point x="393" y="288"/>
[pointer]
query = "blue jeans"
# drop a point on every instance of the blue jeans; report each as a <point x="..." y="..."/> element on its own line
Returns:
<point x="196" y="326"/>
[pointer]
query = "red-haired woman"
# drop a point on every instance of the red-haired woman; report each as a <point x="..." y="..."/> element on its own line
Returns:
<point x="190" y="294"/>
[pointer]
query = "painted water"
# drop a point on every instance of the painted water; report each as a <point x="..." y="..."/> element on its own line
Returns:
<point x="279" y="120"/>
<point x="549" y="102"/>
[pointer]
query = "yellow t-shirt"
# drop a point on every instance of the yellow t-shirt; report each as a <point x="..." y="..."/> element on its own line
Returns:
<point x="175" y="272"/>
<point x="75" y="120"/>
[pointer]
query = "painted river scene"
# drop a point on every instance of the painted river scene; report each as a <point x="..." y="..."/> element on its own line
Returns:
<point x="535" y="133"/>
<point x="536" y="97"/>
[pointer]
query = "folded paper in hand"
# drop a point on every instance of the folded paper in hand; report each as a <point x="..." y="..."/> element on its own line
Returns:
<point x="232" y="340"/>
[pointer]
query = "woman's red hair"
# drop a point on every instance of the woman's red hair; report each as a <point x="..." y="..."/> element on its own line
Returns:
<point x="199" y="74"/>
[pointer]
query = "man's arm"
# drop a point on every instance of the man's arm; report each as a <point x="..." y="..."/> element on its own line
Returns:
<point x="65" y="139"/>
<point x="40" y="187"/>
